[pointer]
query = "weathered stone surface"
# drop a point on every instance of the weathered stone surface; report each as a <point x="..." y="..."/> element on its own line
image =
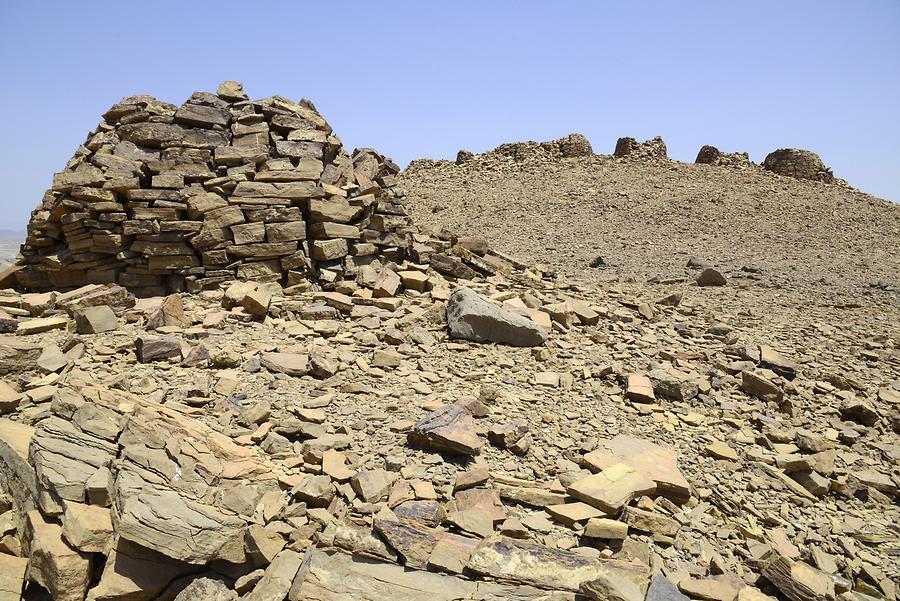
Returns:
<point x="160" y="516"/>
<point x="536" y="565"/>
<point x="798" y="581"/>
<point x="292" y="364"/>
<point x="613" y="488"/>
<point x="326" y="576"/>
<point x="711" y="277"/>
<point x="605" y="528"/>
<point x="413" y="542"/>
<point x="658" y="462"/>
<point x="661" y="589"/>
<point x="278" y="578"/>
<point x="64" y="458"/>
<point x="12" y="577"/>
<point x="42" y="324"/>
<point x="17" y="355"/>
<point x="62" y="570"/>
<point x="9" y="398"/>
<point x="149" y="349"/>
<point x="760" y="387"/>
<point x="472" y="317"/>
<point x="206" y="589"/>
<point x="451" y="429"/>
<point x="88" y="528"/>
<point x="134" y="573"/>
<point x="15" y="468"/>
<point x="95" y="320"/>
<point x="452" y="267"/>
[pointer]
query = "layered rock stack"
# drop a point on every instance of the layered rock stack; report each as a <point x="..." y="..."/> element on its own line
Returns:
<point x="163" y="198"/>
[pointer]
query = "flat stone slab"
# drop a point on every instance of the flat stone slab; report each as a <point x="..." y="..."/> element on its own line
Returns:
<point x="657" y="462"/>
<point x="451" y="428"/>
<point x="330" y="575"/>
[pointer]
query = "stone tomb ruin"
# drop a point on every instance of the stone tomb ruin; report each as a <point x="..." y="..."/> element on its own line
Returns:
<point x="164" y="198"/>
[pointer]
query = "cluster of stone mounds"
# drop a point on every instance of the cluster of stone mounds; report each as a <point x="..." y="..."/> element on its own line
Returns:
<point x="710" y="155"/>
<point x="162" y="198"/>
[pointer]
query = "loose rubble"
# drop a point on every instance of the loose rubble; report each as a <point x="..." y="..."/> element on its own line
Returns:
<point x="450" y="422"/>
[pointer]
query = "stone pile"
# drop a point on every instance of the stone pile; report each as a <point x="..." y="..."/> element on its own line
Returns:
<point x="262" y="443"/>
<point x="573" y="145"/>
<point x="710" y="155"/>
<point x="161" y="198"/>
<point x="654" y="148"/>
<point x="802" y="164"/>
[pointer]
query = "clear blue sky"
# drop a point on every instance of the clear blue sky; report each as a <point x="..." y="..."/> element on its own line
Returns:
<point x="418" y="79"/>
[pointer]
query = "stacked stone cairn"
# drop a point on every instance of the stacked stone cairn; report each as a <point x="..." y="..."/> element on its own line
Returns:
<point x="163" y="198"/>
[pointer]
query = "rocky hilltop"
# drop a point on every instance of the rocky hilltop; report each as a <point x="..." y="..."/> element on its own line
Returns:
<point x="442" y="414"/>
<point x="645" y="215"/>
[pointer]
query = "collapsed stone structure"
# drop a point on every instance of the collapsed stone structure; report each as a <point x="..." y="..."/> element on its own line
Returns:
<point x="651" y="149"/>
<point x="710" y="155"/>
<point x="573" y="145"/>
<point x="802" y="164"/>
<point x="162" y="198"/>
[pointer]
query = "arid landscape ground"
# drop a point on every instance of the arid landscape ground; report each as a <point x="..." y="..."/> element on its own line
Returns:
<point x="558" y="375"/>
<point x="9" y="246"/>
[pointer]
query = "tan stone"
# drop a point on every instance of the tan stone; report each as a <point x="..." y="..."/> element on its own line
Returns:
<point x="613" y="488"/>
<point x="12" y="577"/>
<point x="62" y="570"/>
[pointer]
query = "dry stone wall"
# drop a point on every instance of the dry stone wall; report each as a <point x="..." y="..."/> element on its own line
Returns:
<point x="794" y="162"/>
<point x="164" y="198"/>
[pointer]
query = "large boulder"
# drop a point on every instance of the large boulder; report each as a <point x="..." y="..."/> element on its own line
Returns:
<point x="471" y="317"/>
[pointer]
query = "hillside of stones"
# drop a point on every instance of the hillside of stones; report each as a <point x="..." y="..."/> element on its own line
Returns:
<point x="432" y="413"/>
<point x="646" y="216"/>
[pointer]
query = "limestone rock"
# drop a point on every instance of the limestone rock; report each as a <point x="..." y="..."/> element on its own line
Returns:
<point x="657" y="462"/>
<point x="12" y="576"/>
<point x="151" y="349"/>
<point x="88" y="528"/>
<point x="206" y="589"/>
<point x="471" y="317"/>
<point x="711" y="277"/>
<point x="451" y="429"/>
<point x="278" y="578"/>
<point x="536" y="565"/>
<point x="62" y="570"/>
<point x="613" y="488"/>
<point x="95" y="320"/>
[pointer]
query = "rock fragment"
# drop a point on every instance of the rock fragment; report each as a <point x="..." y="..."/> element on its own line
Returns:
<point x="471" y="317"/>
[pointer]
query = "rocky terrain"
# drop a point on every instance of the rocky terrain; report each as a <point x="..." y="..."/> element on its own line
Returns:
<point x="477" y="412"/>
<point x="647" y="216"/>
